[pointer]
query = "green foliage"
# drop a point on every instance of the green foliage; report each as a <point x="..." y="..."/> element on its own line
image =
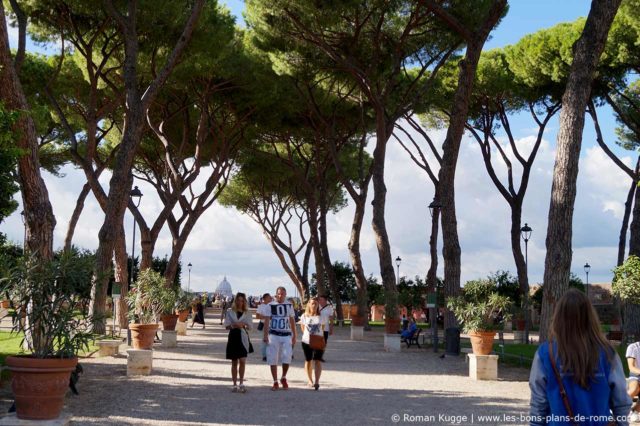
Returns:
<point x="149" y="298"/>
<point x="411" y="293"/>
<point x="345" y="279"/>
<point x="183" y="300"/>
<point x="45" y="295"/>
<point x="626" y="281"/>
<point x="574" y="282"/>
<point x="507" y="285"/>
<point x="8" y="162"/>
<point x="628" y="117"/>
<point x="480" y="307"/>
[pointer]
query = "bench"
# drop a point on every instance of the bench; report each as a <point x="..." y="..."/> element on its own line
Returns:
<point x="108" y="347"/>
<point x="413" y="339"/>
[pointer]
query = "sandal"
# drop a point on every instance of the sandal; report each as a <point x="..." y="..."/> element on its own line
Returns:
<point x="234" y="389"/>
<point x="242" y="389"/>
<point x="316" y="386"/>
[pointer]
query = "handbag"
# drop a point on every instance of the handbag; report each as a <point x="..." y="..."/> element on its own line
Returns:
<point x="250" y="345"/>
<point x="563" y="392"/>
<point x="317" y="342"/>
<point x="260" y="326"/>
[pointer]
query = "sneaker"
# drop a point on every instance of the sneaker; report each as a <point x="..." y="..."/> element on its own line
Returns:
<point x="242" y="389"/>
<point x="234" y="389"/>
<point x="634" y="417"/>
<point x="275" y="386"/>
<point x="264" y="358"/>
<point x="285" y="385"/>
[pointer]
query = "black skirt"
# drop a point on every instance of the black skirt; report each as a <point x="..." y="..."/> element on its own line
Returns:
<point x="235" y="348"/>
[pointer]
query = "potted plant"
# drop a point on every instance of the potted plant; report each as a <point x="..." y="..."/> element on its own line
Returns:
<point x="480" y="310"/>
<point x="45" y="295"/>
<point x="183" y="303"/>
<point x="145" y="302"/>
<point x="168" y="298"/>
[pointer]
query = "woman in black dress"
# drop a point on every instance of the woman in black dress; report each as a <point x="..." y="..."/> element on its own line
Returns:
<point x="198" y="315"/>
<point x="238" y="320"/>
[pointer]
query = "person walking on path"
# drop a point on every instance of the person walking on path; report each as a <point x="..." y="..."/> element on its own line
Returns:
<point x="311" y="324"/>
<point x="238" y="321"/>
<point x="577" y="377"/>
<point x="199" y="313"/>
<point x="261" y="312"/>
<point x="327" y="314"/>
<point x="280" y="334"/>
<point x="633" y="361"/>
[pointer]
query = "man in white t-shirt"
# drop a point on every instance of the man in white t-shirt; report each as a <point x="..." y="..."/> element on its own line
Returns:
<point x="326" y="315"/>
<point x="280" y="334"/>
<point x="262" y="311"/>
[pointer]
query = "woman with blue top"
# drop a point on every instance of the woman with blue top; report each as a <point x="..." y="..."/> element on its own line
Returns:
<point x="411" y="329"/>
<point x="577" y="377"/>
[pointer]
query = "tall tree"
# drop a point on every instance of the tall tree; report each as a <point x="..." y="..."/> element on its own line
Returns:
<point x="586" y="55"/>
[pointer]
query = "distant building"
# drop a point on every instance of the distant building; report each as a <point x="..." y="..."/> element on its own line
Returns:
<point x="224" y="288"/>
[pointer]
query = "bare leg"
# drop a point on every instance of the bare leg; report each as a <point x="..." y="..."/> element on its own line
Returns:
<point x="634" y="390"/>
<point x="243" y="362"/>
<point x="285" y="368"/>
<point x="274" y="372"/>
<point x="234" y="371"/>
<point x="318" y="371"/>
<point x="307" y="368"/>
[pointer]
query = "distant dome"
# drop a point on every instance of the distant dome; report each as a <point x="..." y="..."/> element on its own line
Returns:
<point x="224" y="288"/>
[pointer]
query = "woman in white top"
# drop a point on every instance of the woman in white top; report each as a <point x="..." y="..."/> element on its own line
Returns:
<point x="311" y="323"/>
<point x="238" y="320"/>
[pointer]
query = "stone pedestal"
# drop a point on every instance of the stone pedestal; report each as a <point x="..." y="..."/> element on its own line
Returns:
<point x="181" y="328"/>
<point x="483" y="367"/>
<point x="12" y="419"/>
<point x="518" y="335"/>
<point x="139" y="362"/>
<point x="508" y="326"/>
<point x="108" y="347"/>
<point x="392" y="342"/>
<point x="357" y="333"/>
<point x="169" y="339"/>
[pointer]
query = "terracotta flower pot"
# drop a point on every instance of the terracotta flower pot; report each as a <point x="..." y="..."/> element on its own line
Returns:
<point x="39" y="385"/>
<point x="183" y="315"/>
<point x="520" y="324"/>
<point x="357" y="320"/>
<point x="482" y="342"/>
<point x="169" y="322"/>
<point x="142" y="335"/>
<point x="5" y="304"/>
<point x="391" y="326"/>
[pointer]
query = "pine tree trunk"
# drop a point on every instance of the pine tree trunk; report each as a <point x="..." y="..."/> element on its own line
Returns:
<point x="631" y="323"/>
<point x="624" y="227"/>
<point x="38" y="212"/>
<point x="328" y="266"/>
<point x="122" y="277"/>
<point x="314" y="238"/>
<point x="356" y="258"/>
<point x="75" y="216"/>
<point x="587" y="51"/>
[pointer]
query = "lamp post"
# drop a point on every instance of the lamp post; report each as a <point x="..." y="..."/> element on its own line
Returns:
<point x="434" y="208"/>
<point x="24" y="235"/>
<point x="398" y="260"/>
<point x="136" y="197"/>
<point x="587" y="268"/>
<point x="189" y="282"/>
<point x="525" y="233"/>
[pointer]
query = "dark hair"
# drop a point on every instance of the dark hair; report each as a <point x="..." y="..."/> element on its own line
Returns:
<point x="576" y="329"/>
<point x="264" y="296"/>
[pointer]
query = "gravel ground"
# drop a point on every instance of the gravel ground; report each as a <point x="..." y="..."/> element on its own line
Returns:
<point x="360" y="384"/>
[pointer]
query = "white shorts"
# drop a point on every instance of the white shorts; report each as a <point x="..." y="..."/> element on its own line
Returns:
<point x="279" y="350"/>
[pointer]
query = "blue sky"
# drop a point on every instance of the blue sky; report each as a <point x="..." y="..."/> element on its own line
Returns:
<point x="225" y="243"/>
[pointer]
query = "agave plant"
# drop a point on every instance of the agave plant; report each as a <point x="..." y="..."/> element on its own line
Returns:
<point x="480" y="307"/>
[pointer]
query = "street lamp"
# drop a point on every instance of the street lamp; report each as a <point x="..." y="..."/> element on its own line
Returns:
<point x="398" y="260"/>
<point x="525" y="233"/>
<point x="189" y="282"/>
<point x="136" y="197"/>
<point x="587" y="268"/>
<point x="434" y="208"/>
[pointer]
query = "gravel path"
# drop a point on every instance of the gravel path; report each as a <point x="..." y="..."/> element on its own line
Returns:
<point x="360" y="384"/>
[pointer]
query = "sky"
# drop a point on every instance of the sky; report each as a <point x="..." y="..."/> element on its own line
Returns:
<point x="226" y="243"/>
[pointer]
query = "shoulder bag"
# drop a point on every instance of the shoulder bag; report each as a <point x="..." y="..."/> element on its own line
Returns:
<point x="563" y="392"/>
<point x="316" y="342"/>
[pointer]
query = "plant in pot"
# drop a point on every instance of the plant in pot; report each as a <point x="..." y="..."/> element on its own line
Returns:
<point x="480" y="310"/>
<point x="168" y="299"/>
<point x="183" y="303"/>
<point x="44" y="295"/>
<point x="145" y="302"/>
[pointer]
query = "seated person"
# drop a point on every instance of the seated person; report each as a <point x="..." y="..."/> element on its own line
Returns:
<point x="633" y="360"/>
<point x="411" y="329"/>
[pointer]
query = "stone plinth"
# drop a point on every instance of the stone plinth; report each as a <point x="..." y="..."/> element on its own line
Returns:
<point x="518" y="336"/>
<point x="181" y="328"/>
<point x="483" y="367"/>
<point x="139" y="362"/>
<point x="392" y="342"/>
<point x="108" y="347"/>
<point x="169" y="339"/>
<point x="12" y="419"/>
<point x="357" y="332"/>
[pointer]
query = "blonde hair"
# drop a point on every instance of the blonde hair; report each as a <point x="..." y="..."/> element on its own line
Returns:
<point x="307" y="309"/>
<point x="576" y="329"/>
<point x="244" y="303"/>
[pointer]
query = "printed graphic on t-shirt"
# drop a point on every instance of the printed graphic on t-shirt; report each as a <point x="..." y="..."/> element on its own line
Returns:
<point x="280" y="314"/>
